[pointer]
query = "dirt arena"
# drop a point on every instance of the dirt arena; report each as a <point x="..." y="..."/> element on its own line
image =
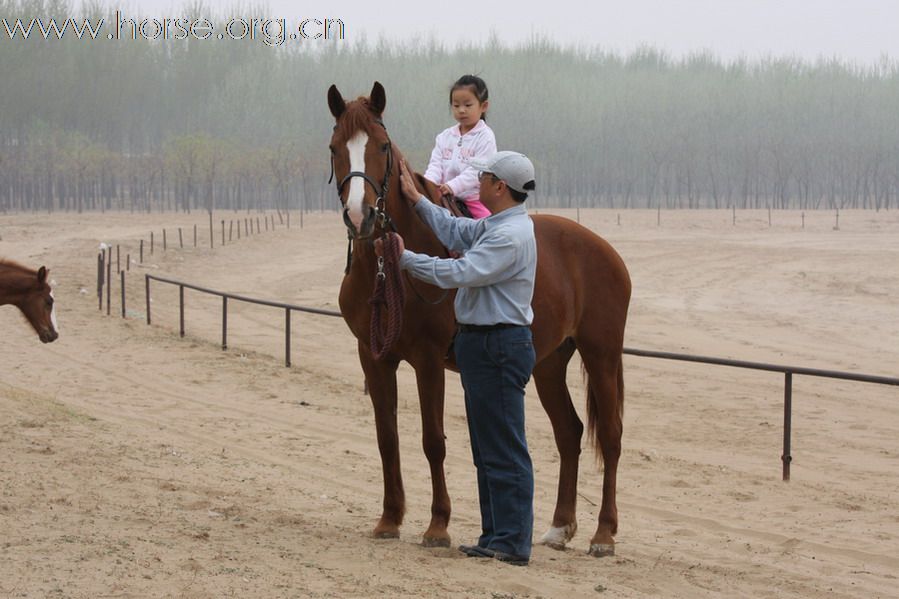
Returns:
<point x="137" y="464"/>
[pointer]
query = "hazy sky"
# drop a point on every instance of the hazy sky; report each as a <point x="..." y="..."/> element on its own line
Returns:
<point x="860" y="30"/>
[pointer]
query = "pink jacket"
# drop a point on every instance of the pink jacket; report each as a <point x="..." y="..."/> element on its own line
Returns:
<point x="452" y="151"/>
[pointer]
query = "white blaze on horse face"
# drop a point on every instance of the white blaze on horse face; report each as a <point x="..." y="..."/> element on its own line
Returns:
<point x="53" y="314"/>
<point x="356" y="147"/>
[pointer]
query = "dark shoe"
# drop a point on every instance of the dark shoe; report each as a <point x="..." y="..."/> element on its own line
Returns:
<point x="513" y="560"/>
<point x="476" y="551"/>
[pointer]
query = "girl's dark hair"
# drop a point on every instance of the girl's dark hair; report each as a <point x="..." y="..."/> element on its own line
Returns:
<point x="478" y="87"/>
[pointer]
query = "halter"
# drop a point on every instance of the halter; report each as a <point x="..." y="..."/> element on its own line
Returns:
<point x="381" y="216"/>
<point x="381" y="190"/>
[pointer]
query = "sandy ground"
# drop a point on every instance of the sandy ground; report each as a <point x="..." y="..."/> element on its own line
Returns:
<point x="134" y="463"/>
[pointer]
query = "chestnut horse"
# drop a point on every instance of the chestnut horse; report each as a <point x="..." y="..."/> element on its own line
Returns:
<point x="581" y="295"/>
<point x="30" y="292"/>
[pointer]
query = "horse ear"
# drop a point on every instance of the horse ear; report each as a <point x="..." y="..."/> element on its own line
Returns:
<point x="42" y="274"/>
<point x="378" y="98"/>
<point x="335" y="102"/>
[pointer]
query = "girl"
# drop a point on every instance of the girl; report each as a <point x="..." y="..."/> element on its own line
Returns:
<point x="454" y="147"/>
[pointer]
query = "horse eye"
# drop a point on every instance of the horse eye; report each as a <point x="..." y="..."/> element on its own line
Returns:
<point x="49" y="301"/>
<point x="385" y="147"/>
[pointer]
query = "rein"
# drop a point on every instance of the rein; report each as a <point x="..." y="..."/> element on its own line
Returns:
<point x="389" y="293"/>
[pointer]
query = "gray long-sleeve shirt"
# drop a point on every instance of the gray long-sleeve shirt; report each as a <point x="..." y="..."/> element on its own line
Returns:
<point x="496" y="274"/>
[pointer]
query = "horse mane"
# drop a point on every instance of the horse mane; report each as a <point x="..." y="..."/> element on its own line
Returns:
<point x="18" y="267"/>
<point x="357" y="117"/>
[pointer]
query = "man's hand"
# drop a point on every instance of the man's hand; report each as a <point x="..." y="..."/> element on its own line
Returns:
<point x="407" y="184"/>
<point x="446" y="190"/>
<point x="379" y="244"/>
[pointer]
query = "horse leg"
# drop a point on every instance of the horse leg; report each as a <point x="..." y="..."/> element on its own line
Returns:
<point x="381" y="378"/>
<point x="430" y="379"/>
<point x="549" y="377"/>
<point x="605" y="394"/>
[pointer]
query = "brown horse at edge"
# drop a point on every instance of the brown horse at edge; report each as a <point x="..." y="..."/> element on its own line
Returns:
<point x="30" y="292"/>
<point x="580" y="302"/>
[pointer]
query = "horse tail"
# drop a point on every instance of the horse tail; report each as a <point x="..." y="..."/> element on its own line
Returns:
<point x="595" y="412"/>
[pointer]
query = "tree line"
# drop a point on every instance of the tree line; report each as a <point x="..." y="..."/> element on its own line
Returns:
<point x="208" y="124"/>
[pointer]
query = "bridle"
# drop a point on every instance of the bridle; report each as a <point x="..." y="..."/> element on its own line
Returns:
<point x="381" y="217"/>
<point x="381" y="192"/>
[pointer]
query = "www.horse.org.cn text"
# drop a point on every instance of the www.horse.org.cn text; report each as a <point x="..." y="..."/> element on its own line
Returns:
<point x="271" y="32"/>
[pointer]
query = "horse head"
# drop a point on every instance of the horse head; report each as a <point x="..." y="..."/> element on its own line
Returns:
<point x="362" y="158"/>
<point x="35" y="299"/>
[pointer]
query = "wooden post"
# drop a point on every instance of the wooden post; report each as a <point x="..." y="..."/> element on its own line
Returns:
<point x="118" y="258"/>
<point x="101" y="269"/>
<point x="128" y="262"/>
<point x="180" y="238"/>
<point x="230" y="230"/>
<point x="152" y="243"/>
<point x="224" y="322"/>
<point x="141" y="251"/>
<point x="181" y="307"/>
<point x="122" y="273"/>
<point x="147" y="281"/>
<point x="109" y="283"/>
<point x="223" y="232"/>
<point x="195" y="235"/>
<point x="287" y="338"/>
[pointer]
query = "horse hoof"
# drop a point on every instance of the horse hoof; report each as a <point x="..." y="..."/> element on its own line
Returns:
<point x="435" y="542"/>
<point x="601" y="550"/>
<point x="558" y="536"/>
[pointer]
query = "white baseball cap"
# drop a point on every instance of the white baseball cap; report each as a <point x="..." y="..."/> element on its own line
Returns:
<point x="514" y="168"/>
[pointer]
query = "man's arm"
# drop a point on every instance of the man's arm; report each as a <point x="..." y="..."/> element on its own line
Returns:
<point x="455" y="233"/>
<point x="484" y="265"/>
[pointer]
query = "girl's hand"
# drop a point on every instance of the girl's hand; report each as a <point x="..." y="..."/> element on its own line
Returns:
<point x="445" y="190"/>
<point x="407" y="184"/>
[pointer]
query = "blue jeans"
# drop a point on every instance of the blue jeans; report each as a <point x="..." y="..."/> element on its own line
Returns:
<point x="495" y="367"/>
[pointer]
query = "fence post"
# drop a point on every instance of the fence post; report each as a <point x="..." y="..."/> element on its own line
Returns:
<point x="100" y="270"/>
<point x="788" y="424"/>
<point x="122" y="273"/>
<point x="128" y="262"/>
<point x="118" y="258"/>
<point x="141" y="251"/>
<point x="287" y="338"/>
<point x="195" y="235"/>
<point x="224" y="322"/>
<point x="165" y="243"/>
<point x="152" y="243"/>
<point x="180" y="238"/>
<point x="109" y="283"/>
<point x="223" y="232"/>
<point x="147" y="279"/>
<point x="181" y="307"/>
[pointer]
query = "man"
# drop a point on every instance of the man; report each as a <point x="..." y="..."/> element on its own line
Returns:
<point x="493" y="346"/>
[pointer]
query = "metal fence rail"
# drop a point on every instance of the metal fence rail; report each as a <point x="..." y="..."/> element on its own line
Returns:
<point x="288" y="308"/>
<point x="787" y="371"/>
